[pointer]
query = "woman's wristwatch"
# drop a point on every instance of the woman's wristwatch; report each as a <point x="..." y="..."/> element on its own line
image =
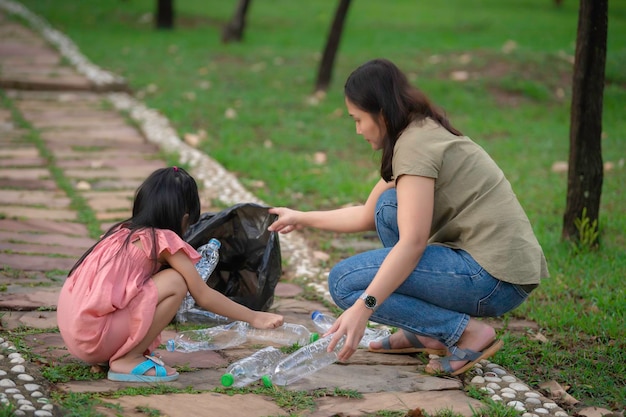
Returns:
<point x="370" y="301"/>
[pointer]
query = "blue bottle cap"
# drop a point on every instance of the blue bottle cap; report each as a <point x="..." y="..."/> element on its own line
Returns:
<point x="170" y="345"/>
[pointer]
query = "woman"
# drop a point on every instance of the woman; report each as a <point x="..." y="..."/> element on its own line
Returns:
<point x="457" y="243"/>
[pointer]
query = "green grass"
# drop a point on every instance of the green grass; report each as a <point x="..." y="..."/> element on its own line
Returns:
<point x="515" y="104"/>
<point x="7" y="410"/>
<point x="70" y="372"/>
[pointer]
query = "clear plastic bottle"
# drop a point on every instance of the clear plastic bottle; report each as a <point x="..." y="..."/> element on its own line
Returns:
<point x="324" y="322"/>
<point x="252" y="368"/>
<point x="286" y="335"/>
<point x="201" y="316"/>
<point x="303" y="362"/>
<point x="210" y="256"/>
<point x="210" y="253"/>
<point x="213" y="338"/>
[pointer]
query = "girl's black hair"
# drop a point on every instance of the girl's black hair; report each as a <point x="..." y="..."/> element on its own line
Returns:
<point x="379" y="87"/>
<point x="161" y="202"/>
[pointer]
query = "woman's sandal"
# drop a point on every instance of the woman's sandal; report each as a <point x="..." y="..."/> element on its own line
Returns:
<point x="138" y="373"/>
<point x="458" y="354"/>
<point x="416" y="346"/>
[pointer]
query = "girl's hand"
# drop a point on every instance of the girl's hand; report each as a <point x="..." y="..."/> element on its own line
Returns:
<point x="262" y="320"/>
<point x="352" y="324"/>
<point x="287" y="220"/>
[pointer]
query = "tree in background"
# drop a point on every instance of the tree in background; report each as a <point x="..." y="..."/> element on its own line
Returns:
<point x="585" y="172"/>
<point x="165" y="14"/>
<point x="324" y="74"/>
<point x="233" y="31"/>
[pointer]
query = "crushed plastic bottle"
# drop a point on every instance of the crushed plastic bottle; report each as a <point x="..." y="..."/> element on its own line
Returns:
<point x="210" y="256"/>
<point x="303" y="362"/>
<point x="252" y="368"/>
<point x="324" y="322"/>
<point x="213" y="338"/>
<point x="200" y="316"/>
<point x="286" y="335"/>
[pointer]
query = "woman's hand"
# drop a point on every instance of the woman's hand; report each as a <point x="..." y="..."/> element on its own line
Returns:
<point x="287" y="220"/>
<point x="352" y="324"/>
<point x="262" y="320"/>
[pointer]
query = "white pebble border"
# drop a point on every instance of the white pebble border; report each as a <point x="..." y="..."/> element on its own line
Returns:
<point x="500" y="386"/>
<point x="16" y="387"/>
<point x="490" y="378"/>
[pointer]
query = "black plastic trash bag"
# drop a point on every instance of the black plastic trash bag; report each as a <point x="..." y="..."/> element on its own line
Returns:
<point x="250" y="261"/>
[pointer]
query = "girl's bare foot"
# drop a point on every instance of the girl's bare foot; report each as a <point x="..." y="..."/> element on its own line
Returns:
<point x="126" y="364"/>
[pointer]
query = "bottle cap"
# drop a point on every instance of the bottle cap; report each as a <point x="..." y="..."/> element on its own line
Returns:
<point x="267" y="381"/>
<point x="215" y="242"/>
<point x="314" y="337"/>
<point x="227" y="380"/>
<point x="170" y="345"/>
<point x="315" y="314"/>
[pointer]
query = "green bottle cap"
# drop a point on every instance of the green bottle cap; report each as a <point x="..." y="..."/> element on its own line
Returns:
<point x="228" y="380"/>
<point x="267" y="381"/>
<point x="314" y="337"/>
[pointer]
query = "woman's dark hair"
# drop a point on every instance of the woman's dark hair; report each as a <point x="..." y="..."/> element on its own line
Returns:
<point x="161" y="202"/>
<point x="379" y="87"/>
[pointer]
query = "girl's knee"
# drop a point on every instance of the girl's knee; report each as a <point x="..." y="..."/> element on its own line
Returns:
<point x="171" y="283"/>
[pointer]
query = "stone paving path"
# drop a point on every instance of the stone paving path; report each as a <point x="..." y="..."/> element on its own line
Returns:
<point x="69" y="160"/>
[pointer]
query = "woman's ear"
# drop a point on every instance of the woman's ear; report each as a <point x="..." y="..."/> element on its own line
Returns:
<point x="381" y="122"/>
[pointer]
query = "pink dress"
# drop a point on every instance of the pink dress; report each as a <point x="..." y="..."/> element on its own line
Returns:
<point x="107" y="305"/>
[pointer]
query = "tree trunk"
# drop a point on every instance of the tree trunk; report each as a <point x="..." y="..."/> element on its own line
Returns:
<point x="585" y="172"/>
<point x="324" y="74"/>
<point x="165" y="14"/>
<point x="233" y="31"/>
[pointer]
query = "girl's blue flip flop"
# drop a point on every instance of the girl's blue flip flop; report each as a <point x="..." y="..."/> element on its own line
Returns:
<point x="138" y="373"/>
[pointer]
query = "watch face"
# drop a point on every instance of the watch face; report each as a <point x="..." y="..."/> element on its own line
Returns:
<point x="370" y="301"/>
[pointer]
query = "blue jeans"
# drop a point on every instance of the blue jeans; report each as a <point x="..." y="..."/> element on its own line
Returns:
<point x="437" y="298"/>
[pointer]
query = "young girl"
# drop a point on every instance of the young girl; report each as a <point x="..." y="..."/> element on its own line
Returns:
<point x="456" y="242"/>
<point x="126" y="288"/>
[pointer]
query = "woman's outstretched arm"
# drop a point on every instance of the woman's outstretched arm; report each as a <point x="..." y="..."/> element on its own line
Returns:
<point x="343" y="220"/>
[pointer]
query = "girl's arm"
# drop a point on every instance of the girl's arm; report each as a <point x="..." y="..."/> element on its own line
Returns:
<point x="343" y="220"/>
<point x="415" y="211"/>
<point x="212" y="300"/>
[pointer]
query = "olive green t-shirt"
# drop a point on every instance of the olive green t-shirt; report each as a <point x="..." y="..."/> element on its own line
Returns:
<point x="475" y="207"/>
